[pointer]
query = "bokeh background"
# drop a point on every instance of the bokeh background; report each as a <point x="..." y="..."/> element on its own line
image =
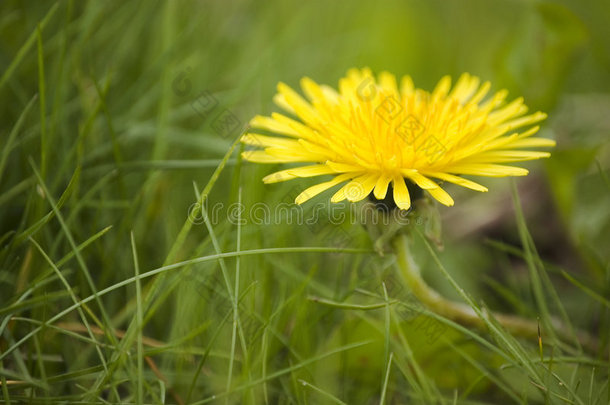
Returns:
<point x="115" y="116"/>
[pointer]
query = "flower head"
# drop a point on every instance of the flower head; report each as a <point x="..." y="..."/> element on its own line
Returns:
<point x="373" y="133"/>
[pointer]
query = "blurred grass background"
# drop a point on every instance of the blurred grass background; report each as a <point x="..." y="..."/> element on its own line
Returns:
<point x="109" y="116"/>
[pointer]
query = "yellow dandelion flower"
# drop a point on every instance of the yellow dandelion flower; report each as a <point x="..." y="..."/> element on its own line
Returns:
<point x="374" y="136"/>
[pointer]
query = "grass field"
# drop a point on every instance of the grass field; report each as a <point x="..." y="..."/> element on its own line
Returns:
<point x="117" y="119"/>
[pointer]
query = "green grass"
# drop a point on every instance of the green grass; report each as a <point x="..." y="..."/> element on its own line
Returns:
<point x="129" y="274"/>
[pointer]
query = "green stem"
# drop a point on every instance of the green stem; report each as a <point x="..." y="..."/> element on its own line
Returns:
<point x="462" y="313"/>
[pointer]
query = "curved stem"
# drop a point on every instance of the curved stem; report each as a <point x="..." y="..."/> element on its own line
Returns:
<point x="462" y="313"/>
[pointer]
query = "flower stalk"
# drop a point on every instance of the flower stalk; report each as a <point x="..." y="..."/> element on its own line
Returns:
<point x="464" y="314"/>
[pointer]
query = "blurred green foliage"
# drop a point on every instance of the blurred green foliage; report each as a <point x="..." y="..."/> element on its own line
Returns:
<point x="116" y="106"/>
